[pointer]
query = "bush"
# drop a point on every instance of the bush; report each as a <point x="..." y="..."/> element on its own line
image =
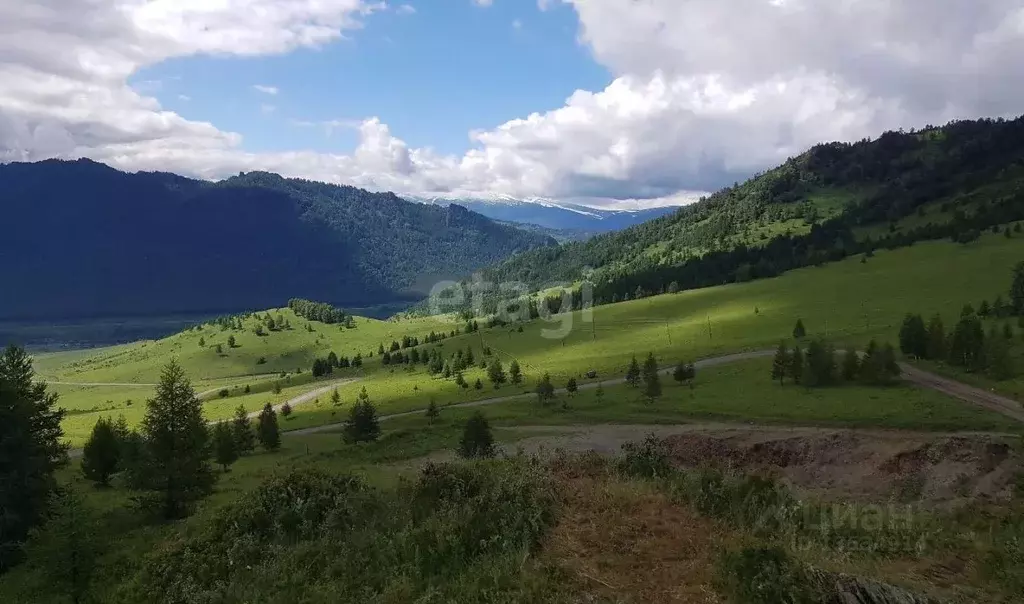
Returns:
<point x="646" y="459"/>
<point x="477" y="440"/>
<point x="757" y="575"/>
<point x="459" y="533"/>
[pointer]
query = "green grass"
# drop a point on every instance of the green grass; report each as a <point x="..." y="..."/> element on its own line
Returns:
<point x="742" y="392"/>
<point x="849" y="302"/>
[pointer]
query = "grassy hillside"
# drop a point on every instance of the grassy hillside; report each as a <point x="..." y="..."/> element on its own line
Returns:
<point x="849" y="302"/>
<point x="817" y="207"/>
<point x="92" y="241"/>
<point x="521" y="530"/>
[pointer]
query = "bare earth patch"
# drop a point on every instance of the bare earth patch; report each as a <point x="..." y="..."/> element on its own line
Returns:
<point x="830" y="464"/>
<point x="626" y="543"/>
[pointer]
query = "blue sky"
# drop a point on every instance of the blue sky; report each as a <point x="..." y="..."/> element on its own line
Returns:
<point x="606" y="102"/>
<point x="432" y="75"/>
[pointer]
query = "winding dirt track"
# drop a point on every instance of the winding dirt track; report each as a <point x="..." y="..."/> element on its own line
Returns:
<point x="958" y="390"/>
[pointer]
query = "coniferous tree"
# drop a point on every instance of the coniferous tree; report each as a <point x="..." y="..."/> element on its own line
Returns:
<point x="231" y="341"/>
<point x="267" y="430"/>
<point x="67" y="546"/>
<point x="998" y="359"/>
<point x="914" y="337"/>
<point x="851" y="364"/>
<point x="433" y="411"/>
<point x="496" y="373"/>
<point x="936" y="338"/>
<point x="984" y="310"/>
<point x="478" y="384"/>
<point x="571" y="387"/>
<point x="241" y="431"/>
<point x="545" y="389"/>
<point x="780" y="364"/>
<point x="966" y="346"/>
<point x="202" y="342"/>
<point x="652" y="382"/>
<point x="1017" y="286"/>
<point x="799" y="332"/>
<point x="821" y="363"/>
<point x="102" y="453"/>
<point x="890" y="369"/>
<point x="470" y="360"/>
<point x="477" y="440"/>
<point x="870" y="366"/>
<point x="796" y="365"/>
<point x="225" y="449"/>
<point x="335" y="397"/>
<point x="515" y="373"/>
<point x="633" y="373"/>
<point x="362" y="424"/>
<point x="176" y="447"/>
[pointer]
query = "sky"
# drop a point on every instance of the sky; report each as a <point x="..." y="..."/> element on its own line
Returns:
<point x="616" y="102"/>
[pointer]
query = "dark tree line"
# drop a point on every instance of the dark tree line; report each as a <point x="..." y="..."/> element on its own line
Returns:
<point x="708" y="243"/>
<point x="819" y="364"/>
<point x="319" y="311"/>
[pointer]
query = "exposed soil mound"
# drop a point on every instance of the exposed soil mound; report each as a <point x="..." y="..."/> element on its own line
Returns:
<point x="862" y="465"/>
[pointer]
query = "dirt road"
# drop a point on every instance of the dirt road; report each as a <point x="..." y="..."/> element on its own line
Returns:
<point x="969" y="394"/>
<point x="703" y="363"/>
<point x="958" y="390"/>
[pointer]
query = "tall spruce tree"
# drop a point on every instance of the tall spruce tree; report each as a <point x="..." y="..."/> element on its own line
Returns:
<point x="1017" y="289"/>
<point x="496" y="373"/>
<point x="799" y="331"/>
<point x="914" y="337"/>
<point x="267" y="430"/>
<point x="633" y="373"/>
<point x="936" y="338"/>
<point x="967" y="344"/>
<point x="780" y="364"/>
<point x="851" y="364"/>
<point x="652" y="382"/>
<point x="515" y="374"/>
<point x="30" y="452"/>
<point x="796" y="365"/>
<point x="225" y="448"/>
<point x="67" y="547"/>
<point x="176" y="447"/>
<point x="362" y="424"/>
<point x="241" y="431"/>
<point x="545" y="389"/>
<point x="102" y="453"/>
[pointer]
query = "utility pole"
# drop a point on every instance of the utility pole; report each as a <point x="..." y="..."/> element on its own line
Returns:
<point x="668" y="332"/>
<point x="709" y="328"/>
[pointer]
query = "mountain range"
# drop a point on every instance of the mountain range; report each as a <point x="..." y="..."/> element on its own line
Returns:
<point x="82" y="239"/>
<point x="566" y="219"/>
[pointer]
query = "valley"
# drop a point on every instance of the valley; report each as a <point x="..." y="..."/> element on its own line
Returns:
<point x="776" y="415"/>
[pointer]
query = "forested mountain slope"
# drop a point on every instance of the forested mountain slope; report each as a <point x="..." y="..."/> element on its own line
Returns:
<point x="941" y="181"/>
<point x="83" y="239"/>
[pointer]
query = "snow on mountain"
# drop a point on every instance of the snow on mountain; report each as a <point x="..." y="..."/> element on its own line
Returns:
<point x="551" y="213"/>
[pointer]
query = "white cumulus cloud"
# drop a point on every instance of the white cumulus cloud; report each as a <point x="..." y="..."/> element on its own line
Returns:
<point x="703" y="92"/>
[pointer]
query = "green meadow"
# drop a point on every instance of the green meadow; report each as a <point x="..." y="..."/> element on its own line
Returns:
<point x="850" y="302"/>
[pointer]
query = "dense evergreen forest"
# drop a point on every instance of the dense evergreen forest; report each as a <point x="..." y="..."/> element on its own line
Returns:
<point x="93" y="241"/>
<point x="956" y="180"/>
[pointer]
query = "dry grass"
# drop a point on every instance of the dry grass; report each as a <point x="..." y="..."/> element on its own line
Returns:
<point x="625" y="542"/>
